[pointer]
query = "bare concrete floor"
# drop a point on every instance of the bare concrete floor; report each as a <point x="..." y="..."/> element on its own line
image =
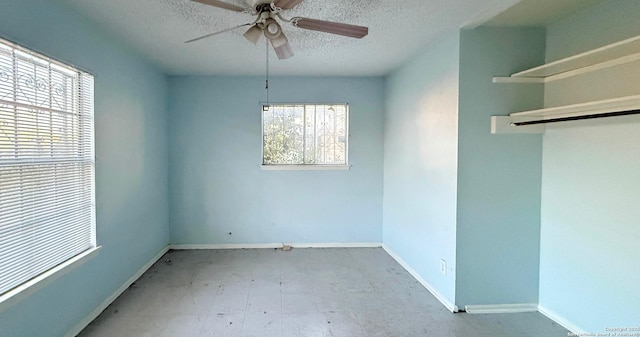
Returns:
<point x="300" y="293"/>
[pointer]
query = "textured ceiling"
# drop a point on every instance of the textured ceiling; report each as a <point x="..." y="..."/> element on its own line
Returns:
<point x="398" y="29"/>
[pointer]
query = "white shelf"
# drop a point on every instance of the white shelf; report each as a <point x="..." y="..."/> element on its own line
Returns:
<point x="507" y="124"/>
<point x="604" y="57"/>
<point x="612" y="55"/>
<point x="593" y="108"/>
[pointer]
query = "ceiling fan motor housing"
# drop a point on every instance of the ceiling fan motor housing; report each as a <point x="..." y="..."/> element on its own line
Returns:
<point x="261" y="7"/>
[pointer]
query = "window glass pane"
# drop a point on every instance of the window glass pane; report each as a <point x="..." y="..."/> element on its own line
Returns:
<point x="305" y="134"/>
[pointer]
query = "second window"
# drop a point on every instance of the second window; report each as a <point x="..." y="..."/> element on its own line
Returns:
<point x="305" y="134"/>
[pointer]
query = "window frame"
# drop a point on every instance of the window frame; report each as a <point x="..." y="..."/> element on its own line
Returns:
<point x="305" y="167"/>
<point x="41" y="280"/>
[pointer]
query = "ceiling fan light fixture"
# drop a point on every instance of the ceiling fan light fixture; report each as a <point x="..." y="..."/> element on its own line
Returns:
<point x="253" y="34"/>
<point x="272" y="29"/>
<point x="266" y="12"/>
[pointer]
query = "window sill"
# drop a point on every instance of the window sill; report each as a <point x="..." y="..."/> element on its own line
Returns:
<point x="26" y="289"/>
<point x="305" y="167"/>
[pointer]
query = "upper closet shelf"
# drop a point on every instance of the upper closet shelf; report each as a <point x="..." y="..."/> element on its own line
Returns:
<point x="533" y="121"/>
<point x="592" y="109"/>
<point x="608" y="56"/>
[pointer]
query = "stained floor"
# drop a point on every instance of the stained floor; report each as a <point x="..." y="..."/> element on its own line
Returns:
<point x="299" y="293"/>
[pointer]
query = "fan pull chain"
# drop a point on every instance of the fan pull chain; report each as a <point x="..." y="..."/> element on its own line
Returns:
<point x="267" y="80"/>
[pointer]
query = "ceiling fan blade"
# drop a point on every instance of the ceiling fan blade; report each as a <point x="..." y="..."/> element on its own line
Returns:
<point x="331" y="27"/>
<point x="253" y="34"/>
<point x="284" y="51"/>
<point x="286" y="4"/>
<point x="221" y="4"/>
<point x="216" y="33"/>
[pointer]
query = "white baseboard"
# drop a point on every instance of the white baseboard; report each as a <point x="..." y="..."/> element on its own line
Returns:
<point x="338" y="245"/>
<point x="452" y="307"/>
<point x="562" y="321"/>
<point x="501" y="308"/>
<point x="278" y="245"/>
<point x="226" y="246"/>
<point x="93" y="315"/>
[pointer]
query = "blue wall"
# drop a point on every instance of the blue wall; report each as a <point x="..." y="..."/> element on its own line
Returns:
<point x="452" y="190"/>
<point x="420" y="163"/>
<point x="590" y="219"/>
<point x="216" y="183"/>
<point x="498" y="213"/>
<point x="131" y="164"/>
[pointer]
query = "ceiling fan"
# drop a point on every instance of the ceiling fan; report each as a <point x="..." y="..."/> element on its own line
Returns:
<point x="267" y="13"/>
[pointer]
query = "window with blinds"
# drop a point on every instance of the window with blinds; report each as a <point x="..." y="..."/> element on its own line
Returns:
<point x="47" y="212"/>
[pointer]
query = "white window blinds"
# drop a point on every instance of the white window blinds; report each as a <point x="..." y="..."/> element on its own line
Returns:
<point x="47" y="212"/>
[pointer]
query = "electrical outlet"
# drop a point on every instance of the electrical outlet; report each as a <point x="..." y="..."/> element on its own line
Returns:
<point x="443" y="267"/>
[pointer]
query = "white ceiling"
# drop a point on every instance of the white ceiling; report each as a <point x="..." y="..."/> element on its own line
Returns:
<point x="398" y="29"/>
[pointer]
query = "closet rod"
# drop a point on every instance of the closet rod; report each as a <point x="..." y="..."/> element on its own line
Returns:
<point x="577" y="118"/>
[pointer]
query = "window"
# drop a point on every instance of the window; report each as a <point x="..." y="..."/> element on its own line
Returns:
<point x="305" y="134"/>
<point x="47" y="212"/>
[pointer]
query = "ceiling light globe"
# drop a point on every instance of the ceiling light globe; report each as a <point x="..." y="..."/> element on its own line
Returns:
<point x="272" y="29"/>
